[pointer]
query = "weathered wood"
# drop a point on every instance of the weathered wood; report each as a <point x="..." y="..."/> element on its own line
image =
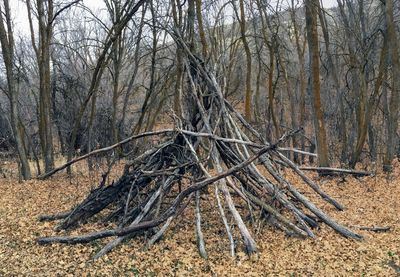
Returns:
<point x="157" y="236"/>
<point x="225" y="221"/>
<point x="171" y="211"/>
<point x="309" y="182"/>
<point x="52" y="217"/>
<point x="339" y="171"/>
<point x="102" y="150"/>
<point x="199" y="233"/>
<point x="374" y="229"/>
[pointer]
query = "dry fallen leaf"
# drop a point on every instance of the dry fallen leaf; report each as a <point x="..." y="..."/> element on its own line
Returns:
<point x="370" y="201"/>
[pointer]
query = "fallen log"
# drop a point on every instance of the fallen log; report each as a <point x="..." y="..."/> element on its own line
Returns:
<point x="52" y="217"/>
<point x="337" y="171"/>
<point x="374" y="229"/>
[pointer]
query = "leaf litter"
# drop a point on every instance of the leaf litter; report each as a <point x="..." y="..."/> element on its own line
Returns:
<point x="369" y="201"/>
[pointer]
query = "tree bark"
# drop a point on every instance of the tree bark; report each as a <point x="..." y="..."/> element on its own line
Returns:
<point x="45" y="19"/>
<point x="313" y="48"/>
<point x="202" y="33"/>
<point x="7" y="46"/>
<point x="393" y="118"/>
<point x="247" y="101"/>
<point x="300" y="47"/>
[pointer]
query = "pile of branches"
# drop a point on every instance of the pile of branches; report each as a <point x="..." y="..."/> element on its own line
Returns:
<point x="211" y="150"/>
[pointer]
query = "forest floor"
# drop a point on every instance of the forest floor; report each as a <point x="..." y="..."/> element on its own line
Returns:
<point x="369" y="201"/>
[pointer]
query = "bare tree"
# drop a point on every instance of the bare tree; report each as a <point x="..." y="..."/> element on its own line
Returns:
<point x="7" y="46"/>
<point x="46" y="16"/>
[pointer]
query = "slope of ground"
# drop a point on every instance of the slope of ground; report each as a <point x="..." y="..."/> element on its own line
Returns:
<point x="369" y="201"/>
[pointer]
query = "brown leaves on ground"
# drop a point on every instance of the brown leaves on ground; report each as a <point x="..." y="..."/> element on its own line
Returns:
<point x="370" y="201"/>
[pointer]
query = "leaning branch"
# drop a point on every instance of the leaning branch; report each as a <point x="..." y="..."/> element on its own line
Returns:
<point x="103" y="150"/>
<point x="146" y="134"/>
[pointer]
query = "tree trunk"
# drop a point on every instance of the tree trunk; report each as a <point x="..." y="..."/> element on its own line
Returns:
<point x="202" y="33"/>
<point x="313" y="47"/>
<point x="393" y="118"/>
<point x="7" y="46"/>
<point x="302" y="75"/>
<point x="176" y="15"/>
<point x="45" y="19"/>
<point x="248" y="94"/>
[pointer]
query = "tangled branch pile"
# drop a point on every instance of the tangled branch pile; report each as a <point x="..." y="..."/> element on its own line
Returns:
<point x="209" y="135"/>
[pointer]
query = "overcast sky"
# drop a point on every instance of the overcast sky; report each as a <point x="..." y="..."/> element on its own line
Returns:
<point x="18" y="10"/>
